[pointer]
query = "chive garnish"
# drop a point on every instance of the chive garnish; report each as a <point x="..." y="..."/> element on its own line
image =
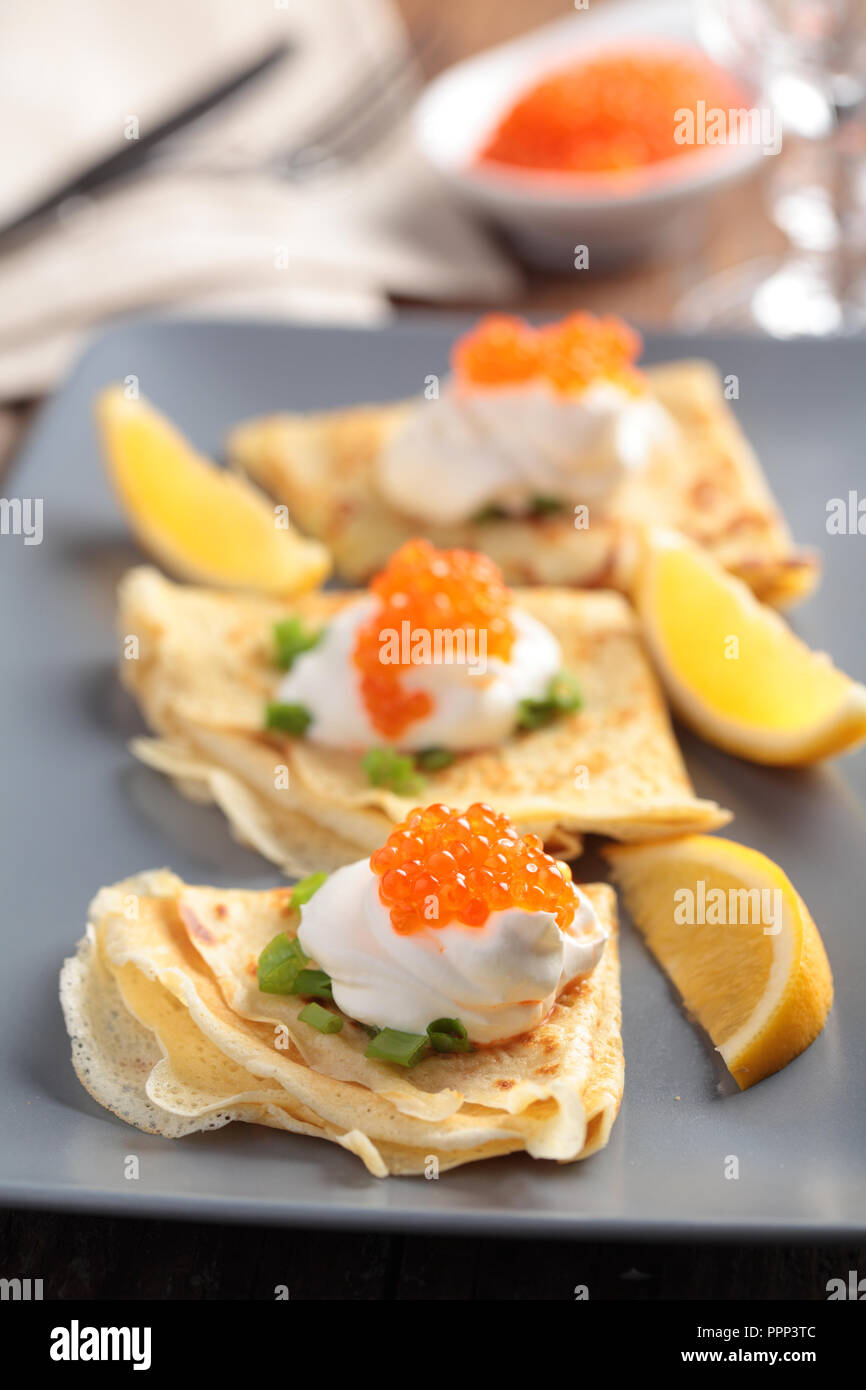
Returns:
<point x="305" y="888"/>
<point x="385" y="767"/>
<point x="532" y="714"/>
<point x="539" y="505"/>
<point x="434" y="759"/>
<point x="287" y="719"/>
<point x="321" y="1019"/>
<point x="280" y="964"/>
<point x="449" y="1035"/>
<point x="563" y="697"/>
<point x="565" y="692"/>
<point x="542" y="505"/>
<point x="405" y="1049"/>
<point x="490" y="513"/>
<point x="313" y="984"/>
<point x="291" y="638"/>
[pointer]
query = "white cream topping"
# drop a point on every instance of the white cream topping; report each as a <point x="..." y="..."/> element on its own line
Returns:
<point x="475" y="701"/>
<point x="504" y="446"/>
<point x="499" y="980"/>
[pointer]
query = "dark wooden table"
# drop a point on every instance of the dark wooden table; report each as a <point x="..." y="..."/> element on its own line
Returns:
<point x="90" y="1257"/>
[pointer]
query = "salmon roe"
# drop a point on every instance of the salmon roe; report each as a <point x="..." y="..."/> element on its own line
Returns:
<point x="438" y="593"/>
<point x="613" y="114"/>
<point x="571" y="355"/>
<point x="442" y="865"/>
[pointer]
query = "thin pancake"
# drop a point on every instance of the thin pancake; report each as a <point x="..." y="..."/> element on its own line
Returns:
<point x="706" y="482"/>
<point x="170" y="1032"/>
<point x="204" y="673"/>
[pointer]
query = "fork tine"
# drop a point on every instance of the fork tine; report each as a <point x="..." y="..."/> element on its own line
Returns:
<point x="355" y="138"/>
<point x="357" y="122"/>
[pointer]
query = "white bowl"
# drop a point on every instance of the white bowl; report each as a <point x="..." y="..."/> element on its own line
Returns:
<point x="548" y="216"/>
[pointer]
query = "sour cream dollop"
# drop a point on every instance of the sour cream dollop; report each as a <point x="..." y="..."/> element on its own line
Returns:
<point x="499" y="980"/>
<point x="475" y="702"/>
<point x="505" y="446"/>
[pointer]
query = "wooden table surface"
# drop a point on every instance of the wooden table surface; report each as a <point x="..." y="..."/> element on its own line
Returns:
<point x="104" y="1258"/>
<point x="95" y="1257"/>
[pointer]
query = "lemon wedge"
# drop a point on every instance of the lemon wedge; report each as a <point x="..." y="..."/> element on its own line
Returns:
<point x="730" y="930"/>
<point x="199" y="522"/>
<point x="732" y="667"/>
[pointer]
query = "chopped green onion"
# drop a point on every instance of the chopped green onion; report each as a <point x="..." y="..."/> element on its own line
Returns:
<point x="539" y="505"/>
<point x="491" y="513"/>
<point x="434" y="759"/>
<point x="405" y="1049"/>
<point x="280" y="963"/>
<point x="291" y="637"/>
<point x="321" y="1019"/>
<point x="532" y="714"/>
<point x="565" y="692"/>
<point x="305" y="888"/>
<point x="287" y="719"/>
<point x="385" y="767"/>
<point x="563" y="697"/>
<point x="314" y="984"/>
<point x="449" y="1035"/>
<point x="545" y="506"/>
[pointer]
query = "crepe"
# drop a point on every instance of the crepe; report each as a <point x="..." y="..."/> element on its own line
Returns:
<point x="171" y="1033"/>
<point x="706" y="482"/>
<point x="204" y="673"/>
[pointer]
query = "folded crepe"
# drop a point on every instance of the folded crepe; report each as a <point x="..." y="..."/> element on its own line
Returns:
<point x="171" y="1033"/>
<point x="201" y="667"/>
<point x="705" y="482"/>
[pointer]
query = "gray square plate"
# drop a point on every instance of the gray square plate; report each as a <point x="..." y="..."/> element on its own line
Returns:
<point x="81" y="813"/>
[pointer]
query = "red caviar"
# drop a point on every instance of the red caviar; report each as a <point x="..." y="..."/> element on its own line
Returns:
<point x="610" y="114"/>
<point x="571" y="354"/>
<point x="439" y="594"/>
<point x="440" y="865"/>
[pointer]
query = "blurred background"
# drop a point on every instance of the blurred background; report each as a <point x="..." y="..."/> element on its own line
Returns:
<point x="344" y="160"/>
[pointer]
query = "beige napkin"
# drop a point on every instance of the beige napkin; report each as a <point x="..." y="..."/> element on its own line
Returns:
<point x="208" y="231"/>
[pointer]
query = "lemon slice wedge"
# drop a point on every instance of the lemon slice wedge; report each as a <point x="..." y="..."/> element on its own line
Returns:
<point x="199" y="522"/>
<point x="733" y="668"/>
<point x="728" y="927"/>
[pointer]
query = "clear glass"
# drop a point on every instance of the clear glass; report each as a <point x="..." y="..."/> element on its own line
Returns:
<point x="807" y="60"/>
